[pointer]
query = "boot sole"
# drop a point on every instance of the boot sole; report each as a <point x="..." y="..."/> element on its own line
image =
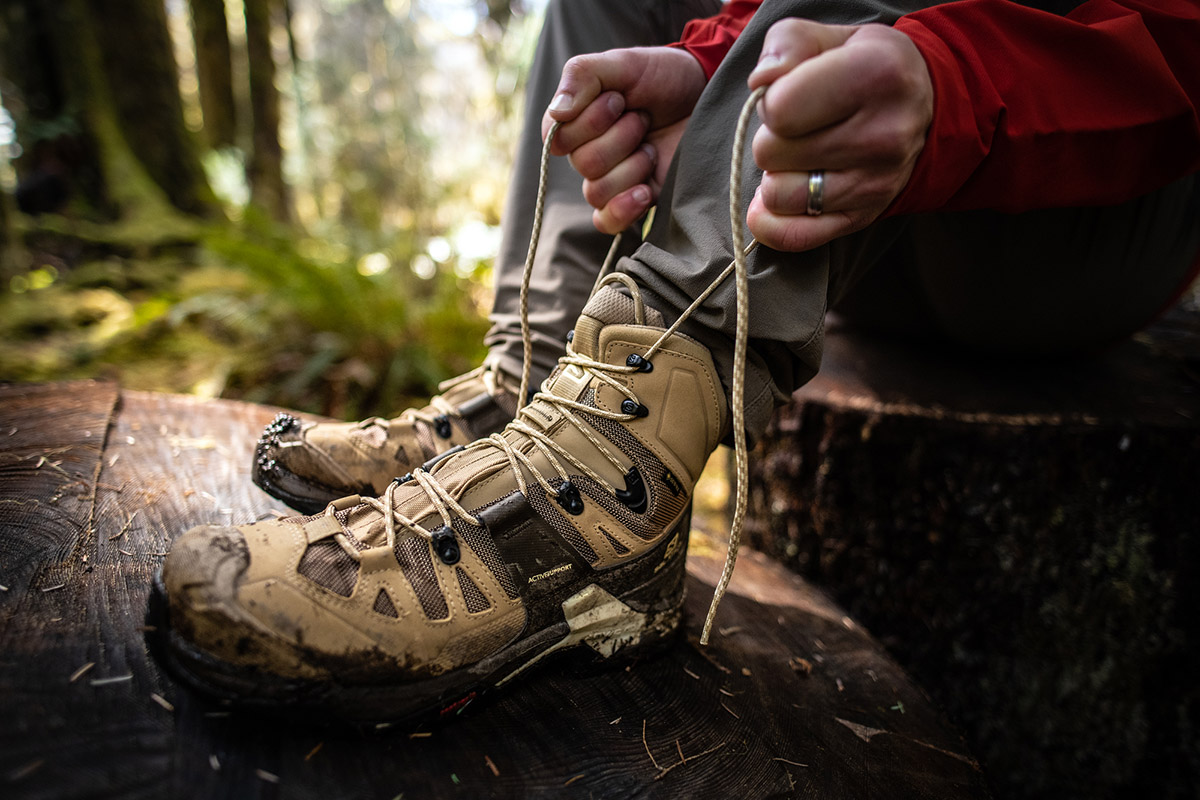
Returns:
<point x="596" y="624"/>
<point x="274" y="480"/>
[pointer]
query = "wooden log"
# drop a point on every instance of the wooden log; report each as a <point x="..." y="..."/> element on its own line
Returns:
<point x="792" y="699"/>
<point x="1024" y="537"/>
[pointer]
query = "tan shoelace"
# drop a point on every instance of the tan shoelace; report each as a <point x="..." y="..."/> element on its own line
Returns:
<point x="448" y="507"/>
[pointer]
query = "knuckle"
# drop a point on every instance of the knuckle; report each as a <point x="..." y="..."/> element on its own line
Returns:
<point x="588" y="162"/>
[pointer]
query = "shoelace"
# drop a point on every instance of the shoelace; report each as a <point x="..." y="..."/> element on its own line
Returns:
<point x="448" y="507"/>
<point x="492" y="381"/>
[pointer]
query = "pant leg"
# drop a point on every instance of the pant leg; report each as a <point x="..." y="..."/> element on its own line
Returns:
<point x="691" y="242"/>
<point x="1052" y="280"/>
<point x="571" y="250"/>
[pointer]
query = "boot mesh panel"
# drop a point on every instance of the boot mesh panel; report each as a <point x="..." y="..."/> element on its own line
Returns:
<point x="425" y="441"/>
<point x="480" y="541"/>
<point x="384" y="605"/>
<point x="547" y="511"/>
<point x="617" y="546"/>
<point x="476" y="601"/>
<point x="413" y="555"/>
<point x="663" y="506"/>
<point x="326" y="564"/>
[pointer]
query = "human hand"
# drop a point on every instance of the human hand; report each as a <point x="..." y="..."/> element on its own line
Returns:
<point x="853" y="101"/>
<point x="622" y="113"/>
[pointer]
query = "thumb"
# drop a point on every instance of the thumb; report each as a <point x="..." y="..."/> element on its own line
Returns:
<point x="790" y="42"/>
<point x="586" y="77"/>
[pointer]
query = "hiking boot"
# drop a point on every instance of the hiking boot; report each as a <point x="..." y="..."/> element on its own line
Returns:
<point x="567" y="531"/>
<point x="309" y="465"/>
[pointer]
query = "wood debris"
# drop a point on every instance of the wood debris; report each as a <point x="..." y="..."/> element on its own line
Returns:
<point x="572" y="780"/>
<point x="54" y="588"/>
<point x="730" y="710"/>
<point x="314" y="751"/>
<point x="492" y="765"/>
<point x="125" y="527"/>
<point x="214" y="763"/>
<point x="647" y="746"/>
<point x="26" y="771"/>
<point x="662" y="773"/>
<point x="801" y="666"/>
<point x="793" y="763"/>
<point x="420" y="735"/>
<point x="162" y="701"/>
<point x="615" y="721"/>
<point x="691" y="674"/>
<point x="108" y="681"/>
<point x="269" y="777"/>
<point x="79" y="673"/>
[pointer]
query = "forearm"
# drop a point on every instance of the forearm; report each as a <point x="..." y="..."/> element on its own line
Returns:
<point x="1033" y="110"/>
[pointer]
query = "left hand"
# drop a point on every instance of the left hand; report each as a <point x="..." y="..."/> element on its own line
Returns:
<point x="853" y="101"/>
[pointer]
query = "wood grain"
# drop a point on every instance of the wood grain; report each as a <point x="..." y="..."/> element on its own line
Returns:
<point x="792" y="698"/>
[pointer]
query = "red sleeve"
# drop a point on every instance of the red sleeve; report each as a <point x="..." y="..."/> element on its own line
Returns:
<point x="1034" y="110"/>
<point x="708" y="40"/>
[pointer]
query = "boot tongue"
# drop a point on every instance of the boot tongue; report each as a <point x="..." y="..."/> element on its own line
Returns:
<point x="607" y="307"/>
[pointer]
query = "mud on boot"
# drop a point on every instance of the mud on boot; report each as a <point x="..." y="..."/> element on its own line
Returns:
<point x="310" y="464"/>
<point x="565" y="532"/>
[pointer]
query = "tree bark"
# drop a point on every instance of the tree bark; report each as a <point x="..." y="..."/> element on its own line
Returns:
<point x="1024" y="538"/>
<point x="214" y="71"/>
<point x="144" y="83"/>
<point x="265" y="170"/>
<point x="43" y="81"/>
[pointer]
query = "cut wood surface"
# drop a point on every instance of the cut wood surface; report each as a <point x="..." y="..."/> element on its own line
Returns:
<point x="792" y="698"/>
<point x="1024" y="536"/>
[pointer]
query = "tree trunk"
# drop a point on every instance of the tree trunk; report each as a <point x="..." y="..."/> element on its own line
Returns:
<point x="144" y="82"/>
<point x="1023" y="536"/>
<point x="43" y="85"/>
<point x="214" y="72"/>
<point x="265" y="170"/>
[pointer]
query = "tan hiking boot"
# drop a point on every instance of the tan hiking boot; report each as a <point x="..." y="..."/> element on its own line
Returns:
<point x="309" y="465"/>
<point x="567" y="531"/>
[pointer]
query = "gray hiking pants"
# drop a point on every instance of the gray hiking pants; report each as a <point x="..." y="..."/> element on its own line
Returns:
<point x="1044" y="283"/>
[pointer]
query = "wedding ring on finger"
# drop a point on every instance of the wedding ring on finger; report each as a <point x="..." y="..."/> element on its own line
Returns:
<point x="816" y="193"/>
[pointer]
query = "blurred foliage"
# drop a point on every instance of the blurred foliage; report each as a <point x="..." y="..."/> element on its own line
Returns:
<point x="249" y="314"/>
<point x="399" y="120"/>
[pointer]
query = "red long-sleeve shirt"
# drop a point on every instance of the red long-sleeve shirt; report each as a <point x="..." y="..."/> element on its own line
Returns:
<point x="1035" y="110"/>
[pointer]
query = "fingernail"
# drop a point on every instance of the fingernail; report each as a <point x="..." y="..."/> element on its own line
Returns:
<point x="768" y="62"/>
<point x="616" y="104"/>
<point x="562" y="102"/>
<point x="650" y="151"/>
<point x="641" y="195"/>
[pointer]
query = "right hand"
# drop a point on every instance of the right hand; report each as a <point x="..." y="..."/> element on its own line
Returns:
<point x="622" y="114"/>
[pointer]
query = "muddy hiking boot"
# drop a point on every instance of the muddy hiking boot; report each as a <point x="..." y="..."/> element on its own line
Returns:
<point x="567" y="531"/>
<point x="310" y="464"/>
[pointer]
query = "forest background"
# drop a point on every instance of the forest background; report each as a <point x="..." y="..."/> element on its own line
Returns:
<point x="293" y="202"/>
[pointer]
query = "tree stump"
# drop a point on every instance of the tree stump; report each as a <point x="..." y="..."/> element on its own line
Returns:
<point x="1024" y="538"/>
<point x="792" y="698"/>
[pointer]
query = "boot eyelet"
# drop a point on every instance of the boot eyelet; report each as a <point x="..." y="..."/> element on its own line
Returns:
<point x="636" y="361"/>
<point x="570" y="336"/>
<point x="446" y="546"/>
<point x="441" y="426"/>
<point x="568" y="497"/>
<point x="634" y="408"/>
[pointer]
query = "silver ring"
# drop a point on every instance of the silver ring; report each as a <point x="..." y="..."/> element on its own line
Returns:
<point x="816" y="193"/>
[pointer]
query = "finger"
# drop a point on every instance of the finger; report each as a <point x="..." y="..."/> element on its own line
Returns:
<point x="623" y="210"/>
<point x="595" y="158"/>
<point x="820" y="92"/>
<point x="794" y="234"/>
<point x="790" y="42"/>
<point x="786" y="193"/>
<point x="593" y="121"/>
<point x="831" y="148"/>
<point x="637" y="169"/>
<point x="586" y="77"/>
